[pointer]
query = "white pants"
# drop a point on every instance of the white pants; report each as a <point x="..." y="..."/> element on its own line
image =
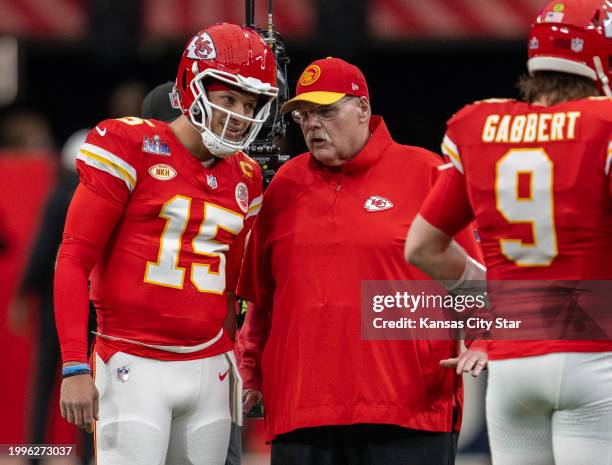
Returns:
<point x="551" y="409"/>
<point x="156" y="412"/>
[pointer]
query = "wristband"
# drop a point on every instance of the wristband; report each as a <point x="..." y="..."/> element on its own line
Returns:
<point x="80" y="369"/>
<point x="472" y="279"/>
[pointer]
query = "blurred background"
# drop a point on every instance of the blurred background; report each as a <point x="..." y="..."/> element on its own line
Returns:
<point x="67" y="64"/>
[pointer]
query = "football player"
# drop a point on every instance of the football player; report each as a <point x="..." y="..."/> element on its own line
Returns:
<point x="535" y="175"/>
<point x="158" y="224"/>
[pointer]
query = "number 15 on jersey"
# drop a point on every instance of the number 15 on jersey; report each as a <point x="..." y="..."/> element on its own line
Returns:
<point x="166" y="272"/>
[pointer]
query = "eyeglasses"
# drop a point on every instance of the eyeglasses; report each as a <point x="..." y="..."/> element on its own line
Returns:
<point x="323" y="112"/>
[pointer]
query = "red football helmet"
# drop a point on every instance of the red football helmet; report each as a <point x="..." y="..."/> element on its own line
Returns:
<point x="573" y="36"/>
<point x="234" y="55"/>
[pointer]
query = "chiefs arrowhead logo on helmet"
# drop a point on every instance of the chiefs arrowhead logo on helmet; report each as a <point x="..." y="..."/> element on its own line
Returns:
<point x="201" y="47"/>
<point x="376" y="203"/>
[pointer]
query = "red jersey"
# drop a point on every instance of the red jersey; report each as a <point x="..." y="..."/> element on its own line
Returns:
<point x="320" y="233"/>
<point x="537" y="181"/>
<point x="175" y="252"/>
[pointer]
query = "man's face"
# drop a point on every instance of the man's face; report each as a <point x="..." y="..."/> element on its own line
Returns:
<point x="333" y="133"/>
<point x="240" y="102"/>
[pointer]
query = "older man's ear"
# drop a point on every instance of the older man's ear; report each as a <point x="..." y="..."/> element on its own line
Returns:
<point x="366" y="110"/>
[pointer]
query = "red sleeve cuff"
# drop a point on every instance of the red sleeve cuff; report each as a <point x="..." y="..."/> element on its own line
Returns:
<point x="447" y="206"/>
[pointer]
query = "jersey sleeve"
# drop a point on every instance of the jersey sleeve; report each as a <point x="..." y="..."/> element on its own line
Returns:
<point x="450" y="146"/>
<point x="602" y="110"/>
<point x="451" y="153"/>
<point x="81" y="248"/>
<point x="236" y="253"/>
<point x="256" y="189"/>
<point x="252" y="340"/>
<point x="256" y="285"/>
<point x="107" y="161"/>
<point x="256" y="282"/>
<point x="447" y="206"/>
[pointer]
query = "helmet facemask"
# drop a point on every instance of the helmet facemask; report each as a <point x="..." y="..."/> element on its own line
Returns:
<point x="201" y="110"/>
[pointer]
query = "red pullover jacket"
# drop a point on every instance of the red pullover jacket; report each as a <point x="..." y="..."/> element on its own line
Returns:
<point x="312" y="244"/>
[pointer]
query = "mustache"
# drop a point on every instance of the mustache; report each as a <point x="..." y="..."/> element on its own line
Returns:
<point x="317" y="135"/>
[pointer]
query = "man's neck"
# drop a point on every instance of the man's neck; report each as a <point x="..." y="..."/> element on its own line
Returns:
<point x="548" y="100"/>
<point x="190" y="138"/>
<point x="542" y="101"/>
<point x="362" y="139"/>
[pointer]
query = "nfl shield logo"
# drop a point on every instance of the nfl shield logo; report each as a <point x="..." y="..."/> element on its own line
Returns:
<point x="123" y="374"/>
<point x="577" y="45"/>
<point x="554" y="17"/>
<point x="211" y="181"/>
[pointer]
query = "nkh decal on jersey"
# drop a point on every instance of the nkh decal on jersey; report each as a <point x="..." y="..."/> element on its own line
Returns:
<point x="162" y="172"/>
<point x="376" y="203"/>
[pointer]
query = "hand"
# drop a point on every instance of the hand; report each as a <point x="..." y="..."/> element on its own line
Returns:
<point x="250" y="397"/>
<point x="79" y="401"/>
<point x="469" y="361"/>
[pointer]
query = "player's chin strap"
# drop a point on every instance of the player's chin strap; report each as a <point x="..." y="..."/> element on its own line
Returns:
<point x="603" y="78"/>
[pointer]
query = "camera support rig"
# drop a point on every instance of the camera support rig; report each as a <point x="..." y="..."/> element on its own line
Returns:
<point x="266" y="149"/>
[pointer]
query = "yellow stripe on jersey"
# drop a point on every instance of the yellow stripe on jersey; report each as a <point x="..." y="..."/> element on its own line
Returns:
<point x="609" y="158"/>
<point x="254" y="206"/>
<point x="450" y="149"/>
<point x="256" y="202"/>
<point x="109" y="166"/>
<point x="111" y="157"/>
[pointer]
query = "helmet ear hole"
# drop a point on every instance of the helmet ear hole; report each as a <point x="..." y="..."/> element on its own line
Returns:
<point x="184" y="80"/>
<point x="196" y="115"/>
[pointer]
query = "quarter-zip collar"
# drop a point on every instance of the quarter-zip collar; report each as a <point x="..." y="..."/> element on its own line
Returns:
<point x="371" y="152"/>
